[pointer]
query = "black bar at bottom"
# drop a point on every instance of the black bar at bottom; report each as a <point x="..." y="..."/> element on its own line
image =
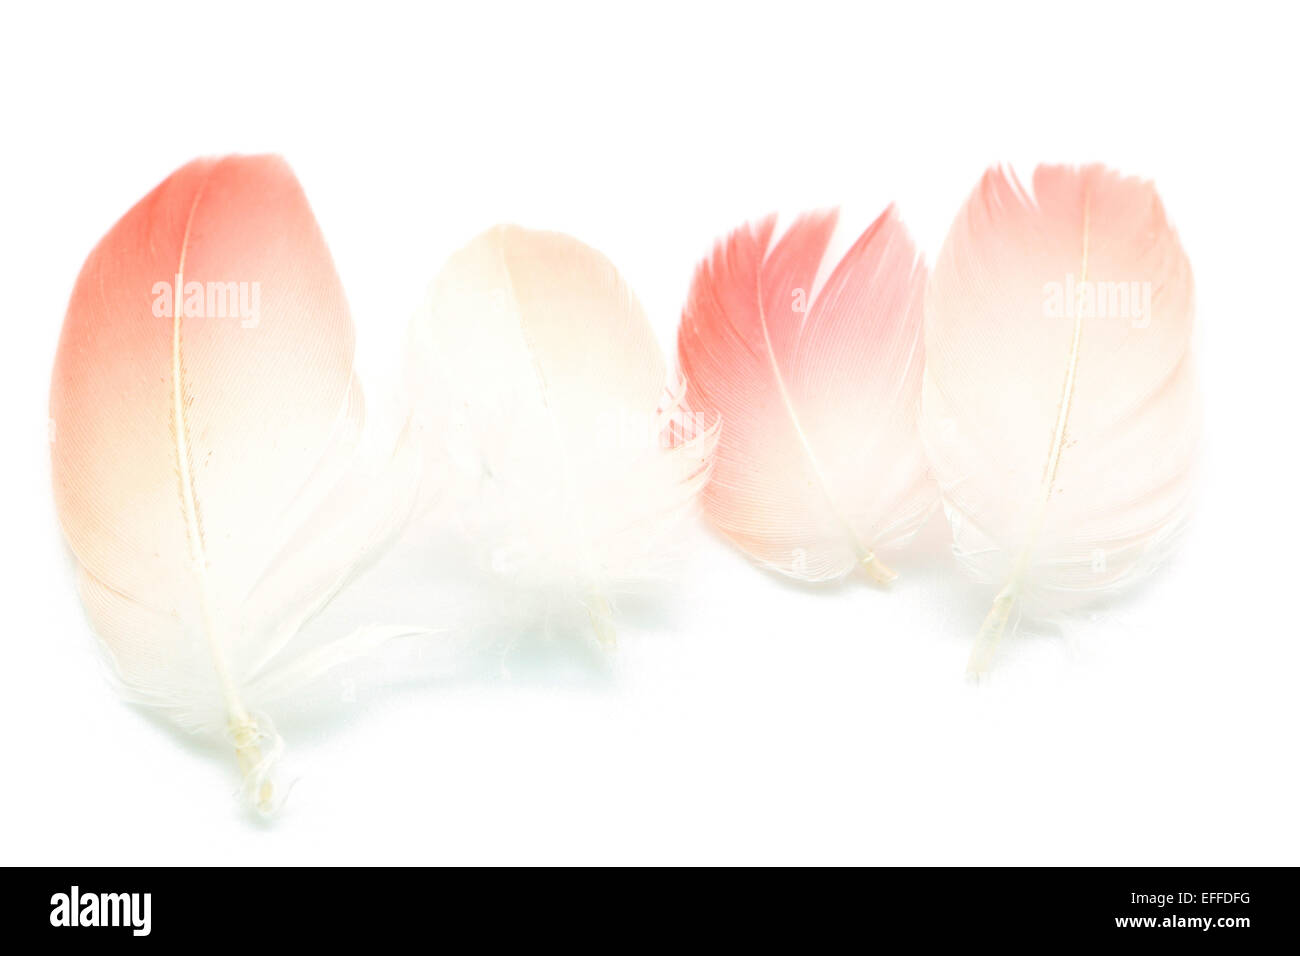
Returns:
<point x="275" y="907"/>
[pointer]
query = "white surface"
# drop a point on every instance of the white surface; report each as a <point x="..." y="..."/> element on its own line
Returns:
<point x="754" y="720"/>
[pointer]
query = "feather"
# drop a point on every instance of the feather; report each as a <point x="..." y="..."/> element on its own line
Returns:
<point x="1060" y="409"/>
<point x="820" y="465"/>
<point x="545" y="398"/>
<point x="205" y="462"/>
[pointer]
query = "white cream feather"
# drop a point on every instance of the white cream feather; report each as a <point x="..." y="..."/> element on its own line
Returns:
<point x="544" y="399"/>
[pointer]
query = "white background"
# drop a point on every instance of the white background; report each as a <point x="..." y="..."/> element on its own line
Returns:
<point x="753" y="720"/>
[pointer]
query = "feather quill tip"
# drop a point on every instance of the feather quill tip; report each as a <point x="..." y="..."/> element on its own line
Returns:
<point x="990" y="635"/>
<point x="258" y="749"/>
<point x="878" y="571"/>
<point x="602" y="622"/>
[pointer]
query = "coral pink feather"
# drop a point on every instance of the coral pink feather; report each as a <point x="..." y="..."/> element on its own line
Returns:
<point x="819" y="466"/>
<point x="202" y="390"/>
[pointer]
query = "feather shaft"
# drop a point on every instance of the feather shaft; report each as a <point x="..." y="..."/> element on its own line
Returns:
<point x="995" y="624"/>
<point x="241" y="727"/>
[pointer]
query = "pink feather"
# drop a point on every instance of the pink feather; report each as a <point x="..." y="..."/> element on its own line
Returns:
<point x="819" y="464"/>
<point x="1060" y="405"/>
<point x="203" y="403"/>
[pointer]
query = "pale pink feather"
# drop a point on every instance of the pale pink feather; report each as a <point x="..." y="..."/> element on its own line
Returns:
<point x="1061" y="412"/>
